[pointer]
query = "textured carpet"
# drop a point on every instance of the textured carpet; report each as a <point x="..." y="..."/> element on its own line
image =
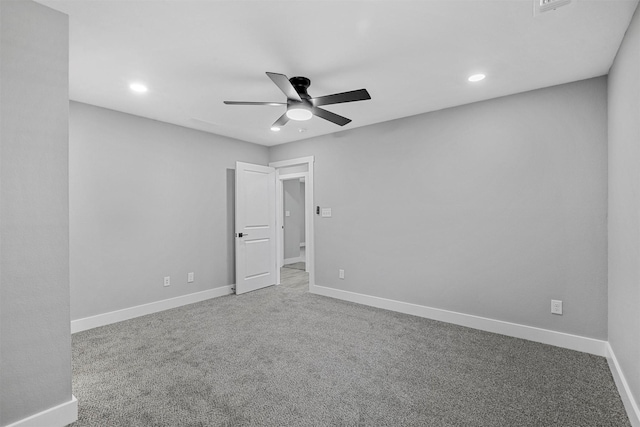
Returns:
<point x="296" y="265"/>
<point x="283" y="357"/>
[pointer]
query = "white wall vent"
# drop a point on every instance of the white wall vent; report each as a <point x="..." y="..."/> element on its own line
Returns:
<point x="542" y="6"/>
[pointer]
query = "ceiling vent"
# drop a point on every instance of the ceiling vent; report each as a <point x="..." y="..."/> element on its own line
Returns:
<point x="542" y="6"/>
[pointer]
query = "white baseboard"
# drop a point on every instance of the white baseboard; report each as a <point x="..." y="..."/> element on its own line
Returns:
<point x="91" y="322"/>
<point x="293" y="260"/>
<point x="545" y="336"/>
<point x="630" y="404"/>
<point x="60" y="415"/>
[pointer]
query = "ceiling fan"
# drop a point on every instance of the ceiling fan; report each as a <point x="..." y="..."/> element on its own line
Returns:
<point x="300" y="106"/>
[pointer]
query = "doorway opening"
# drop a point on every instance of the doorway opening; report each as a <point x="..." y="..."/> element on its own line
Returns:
<point x="293" y="271"/>
<point x="294" y="222"/>
<point x="293" y="242"/>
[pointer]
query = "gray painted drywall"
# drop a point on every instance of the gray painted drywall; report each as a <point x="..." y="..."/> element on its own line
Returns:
<point x="291" y="192"/>
<point x="147" y="200"/>
<point x="490" y="209"/>
<point x="624" y="206"/>
<point x="35" y="352"/>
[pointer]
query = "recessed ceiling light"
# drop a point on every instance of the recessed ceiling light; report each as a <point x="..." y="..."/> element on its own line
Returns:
<point x="476" y="77"/>
<point x="275" y="129"/>
<point x="299" y="114"/>
<point x="138" y="87"/>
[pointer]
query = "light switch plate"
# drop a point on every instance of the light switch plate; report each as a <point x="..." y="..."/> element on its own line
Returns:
<point x="326" y="212"/>
<point x="287" y="213"/>
<point x="190" y="278"/>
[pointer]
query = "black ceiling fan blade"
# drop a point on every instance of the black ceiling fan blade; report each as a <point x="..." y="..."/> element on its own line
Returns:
<point x="338" y="98"/>
<point x="328" y="115"/>
<point x="285" y="85"/>
<point x="277" y="104"/>
<point x="281" y="121"/>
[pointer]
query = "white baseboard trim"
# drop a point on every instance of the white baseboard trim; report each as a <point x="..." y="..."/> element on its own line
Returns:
<point x="103" y="319"/>
<point x="60" y="415"/>
<point x="630" y="404"/>
<point x="293" y="260"/>
<point x="545" y="336"/>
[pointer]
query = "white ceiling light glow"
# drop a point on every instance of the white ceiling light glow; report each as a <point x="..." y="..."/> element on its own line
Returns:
<point x="138" y="87"/>
<point x="299" y="114"/>
<point x="275" y="129"/>
<point x="476" y="77"/>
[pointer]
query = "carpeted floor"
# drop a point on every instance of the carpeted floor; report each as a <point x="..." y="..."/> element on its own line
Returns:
<point x="283" y="357"/>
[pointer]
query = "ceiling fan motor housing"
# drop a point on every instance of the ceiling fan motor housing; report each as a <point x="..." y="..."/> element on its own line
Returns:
<point x="300" y="84"/>
<point x="297" y="110"/>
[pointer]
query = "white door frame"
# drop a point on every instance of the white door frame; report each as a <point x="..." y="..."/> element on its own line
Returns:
<point x="308" y="212"/>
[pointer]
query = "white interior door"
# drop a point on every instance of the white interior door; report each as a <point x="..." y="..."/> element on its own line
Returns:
<point x="255" y="227"/>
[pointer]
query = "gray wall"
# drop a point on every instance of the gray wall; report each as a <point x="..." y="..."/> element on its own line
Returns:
<point x="292" y="203"/>
<point x="624" y="206"/>
<point x="147" y="200"/>
<point x="490" y="209"/>
<point x="35" y="355"/>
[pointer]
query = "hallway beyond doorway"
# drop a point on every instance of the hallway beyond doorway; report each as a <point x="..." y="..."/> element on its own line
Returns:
<point x="294" y="278"/>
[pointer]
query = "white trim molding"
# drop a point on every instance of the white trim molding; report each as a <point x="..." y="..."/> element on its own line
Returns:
<point x="293" y="260"/>
<point x="292" y="162"/>
<point x="545" y="336"/>
<point x="103" y="319"/>
<point x="630" y="404"/>
<point x="59" y="415"/>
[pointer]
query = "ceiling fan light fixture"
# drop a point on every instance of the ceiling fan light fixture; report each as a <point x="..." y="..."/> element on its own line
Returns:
<point x="299" y="114"/>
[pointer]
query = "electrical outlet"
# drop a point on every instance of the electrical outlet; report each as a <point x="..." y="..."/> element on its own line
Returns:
<point x="190" y="278"/>
<point x="341" y="274"/>
<point x="556" y="306"/>
<point x="167" y="280"/>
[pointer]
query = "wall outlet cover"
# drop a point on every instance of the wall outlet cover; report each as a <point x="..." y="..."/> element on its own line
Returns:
<point x="190" y="278"/>
<point x="556" y="306"/>
<point x="167" y="280"/>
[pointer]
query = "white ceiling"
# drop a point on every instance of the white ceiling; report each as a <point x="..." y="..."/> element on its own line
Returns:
<point x="412" y="56"/>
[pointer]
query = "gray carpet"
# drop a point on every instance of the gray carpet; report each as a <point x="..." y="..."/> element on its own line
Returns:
<point x="296" y="265"/>
<point x="283" y="357"/>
